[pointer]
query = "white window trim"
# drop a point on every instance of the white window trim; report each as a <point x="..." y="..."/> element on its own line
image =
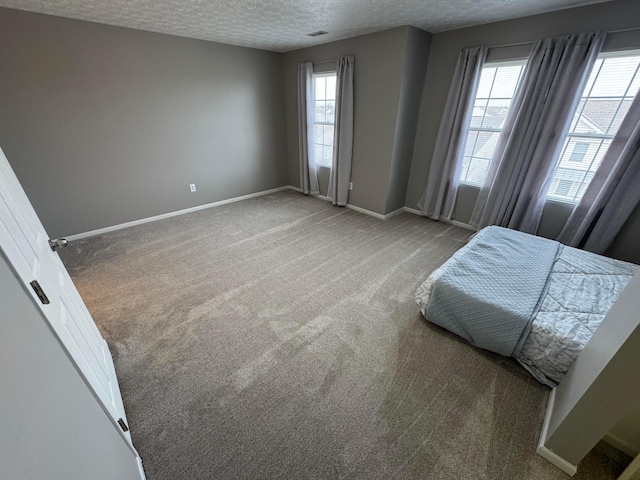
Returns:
<point x="629" y="52"/>
<point x="324" y="74"/>
<point x="506" y="63"/>
<point x="494" y="64"/>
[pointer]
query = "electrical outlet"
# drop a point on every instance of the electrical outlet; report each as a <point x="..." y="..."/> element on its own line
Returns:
<point x="350" y="185"/>
<point x="192" y="187"/>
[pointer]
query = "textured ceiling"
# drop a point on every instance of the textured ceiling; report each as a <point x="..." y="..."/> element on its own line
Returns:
<point x="282" y="25"/>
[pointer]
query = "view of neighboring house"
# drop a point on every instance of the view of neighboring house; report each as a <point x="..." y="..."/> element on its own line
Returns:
<point x="588" y="140"/>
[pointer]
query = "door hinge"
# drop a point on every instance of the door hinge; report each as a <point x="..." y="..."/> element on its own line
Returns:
<point x="39" y="292"/>
<point x="123" y="425"/>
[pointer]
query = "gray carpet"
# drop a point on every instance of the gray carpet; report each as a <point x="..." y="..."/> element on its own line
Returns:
<point x="278" y="338"/>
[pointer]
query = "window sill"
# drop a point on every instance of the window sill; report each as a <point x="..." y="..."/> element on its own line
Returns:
<point x="470" y="185"/>
<point x="570" y="203"/>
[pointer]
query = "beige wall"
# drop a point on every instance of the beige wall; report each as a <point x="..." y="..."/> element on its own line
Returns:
<point x="105" y="125"/>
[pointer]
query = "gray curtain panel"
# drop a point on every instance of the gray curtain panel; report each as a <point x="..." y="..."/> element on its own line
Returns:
<point x="308" y="171"/>
<point x="340" y="175"/>
<point x="439" y="197"/>
<point x="528" y="150"/>
<point x="614" y="191"/>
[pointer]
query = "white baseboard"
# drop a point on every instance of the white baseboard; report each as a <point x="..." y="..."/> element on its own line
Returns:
<point x="455" y="223"/>
<point x="395" y="213"/>
<point x="386" y="216"/>
<point x="413" y="210"/>
<point x="155" y="218"/>
<point x="557" y="460"/>
<point x="366" y="212"/>
<point x="622" y="445"/>
<point x="545" y="452"/>
<point x="355" y="208"/>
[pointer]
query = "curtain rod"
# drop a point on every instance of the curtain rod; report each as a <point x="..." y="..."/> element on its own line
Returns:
<point x="325" y="61"/>
<point x="620" y="30"/>
<point x="511" y="44"/>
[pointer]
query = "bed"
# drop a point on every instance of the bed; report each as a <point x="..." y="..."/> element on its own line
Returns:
<point x="524" y="296"/>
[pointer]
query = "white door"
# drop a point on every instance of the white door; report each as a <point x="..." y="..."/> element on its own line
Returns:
<point x="25" y="243"/>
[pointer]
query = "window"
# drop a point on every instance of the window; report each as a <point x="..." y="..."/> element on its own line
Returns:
<point x="579" y="151"/>
<point x="324" y="98"/>
<point x="607" y="96"/>
<point x="563" y="187"/>
<point x="498" y="82"/>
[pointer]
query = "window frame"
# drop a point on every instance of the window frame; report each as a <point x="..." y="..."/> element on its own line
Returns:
<point x="585" y="180"/>
<point x="520" y="61"/>
<point x="325" y="74"/>
<point x="584" y="148"/>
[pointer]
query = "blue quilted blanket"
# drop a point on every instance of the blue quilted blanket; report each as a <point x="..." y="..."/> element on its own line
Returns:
<point x="497" y="283"/>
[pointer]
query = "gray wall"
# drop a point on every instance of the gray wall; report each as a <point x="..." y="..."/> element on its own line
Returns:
<point x="105" y="125"/>
<point x="379" y="79"/>
<point x="627" y="431"/>
<point x="626" y="246"/>
<point x="602" y="386"/>
<point x="52" y="426"/>
<point x="415" y="70"/>
<point x="620" y="14"/>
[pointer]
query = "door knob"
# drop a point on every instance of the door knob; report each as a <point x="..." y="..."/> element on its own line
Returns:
<point x="57" y="243"/>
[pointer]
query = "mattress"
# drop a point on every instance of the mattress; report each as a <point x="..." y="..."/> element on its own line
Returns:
<point x="577" y="290"/>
